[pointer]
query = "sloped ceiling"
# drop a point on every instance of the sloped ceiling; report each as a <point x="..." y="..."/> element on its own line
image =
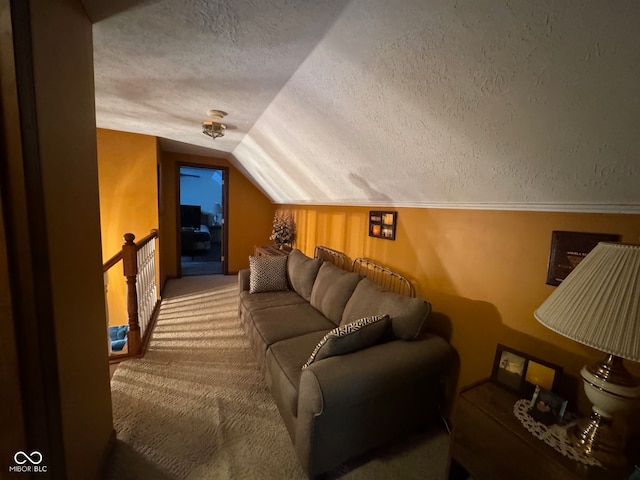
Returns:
<point x="472" y="104"/>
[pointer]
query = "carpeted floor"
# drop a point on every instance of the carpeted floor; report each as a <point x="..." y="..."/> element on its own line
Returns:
<point x="195" y="407"/>
<point x="203" y="263"/>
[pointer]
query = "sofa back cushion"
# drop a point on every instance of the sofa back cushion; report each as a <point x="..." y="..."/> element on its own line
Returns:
<point x="407" y="315"/>
<point x="267" y="274"/>
<point x="302" y="272"/>
<point x="331" y="291"/>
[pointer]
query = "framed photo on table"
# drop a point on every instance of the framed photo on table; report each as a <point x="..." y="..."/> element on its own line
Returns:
<point x="546" y="407"/>
<point x="521" y="372"/>
<point x="382" y="224"/>
<point x="568" y="249"/>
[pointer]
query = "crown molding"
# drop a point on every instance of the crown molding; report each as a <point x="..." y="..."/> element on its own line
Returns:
<point x="631" y="209"/>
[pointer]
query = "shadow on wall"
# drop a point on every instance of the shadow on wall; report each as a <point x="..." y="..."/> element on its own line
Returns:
<point x="476" y="323"/>
<point x="471" y="326"/>
<point x="370" y="192"/>
<point x="97" y="10"/>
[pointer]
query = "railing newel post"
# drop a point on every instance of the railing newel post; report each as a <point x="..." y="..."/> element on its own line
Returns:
<point x="130" y="270"/>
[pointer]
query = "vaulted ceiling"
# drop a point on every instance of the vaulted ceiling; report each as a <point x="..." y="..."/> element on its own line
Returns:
<point x="474" y="104"/>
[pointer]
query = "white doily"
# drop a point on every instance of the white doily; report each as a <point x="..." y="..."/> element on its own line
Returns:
<point x="554" y="435"/>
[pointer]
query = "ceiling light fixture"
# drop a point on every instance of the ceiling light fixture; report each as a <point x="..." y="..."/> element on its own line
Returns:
<point x="214" y="127"/>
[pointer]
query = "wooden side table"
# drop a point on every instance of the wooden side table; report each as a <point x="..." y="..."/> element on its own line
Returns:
<point x="271" y="250"/>
<point x="490" y="443"/>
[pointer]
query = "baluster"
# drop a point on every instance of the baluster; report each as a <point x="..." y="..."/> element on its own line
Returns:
<point x="105" y="277"/>
<point x="130" y="268"/>
<point x="140" y="289"/>
<point x="146" y="287"/>
<point x="145" y="283"/>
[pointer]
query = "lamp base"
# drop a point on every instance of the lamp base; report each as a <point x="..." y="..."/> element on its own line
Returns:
<point x="596" y="437"/>
<point x="612" y="391"/>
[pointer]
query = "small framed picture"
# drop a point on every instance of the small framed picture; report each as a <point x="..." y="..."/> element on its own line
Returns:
<point x="546" y="407"/>
<point x="568" y="249"/>
<point x="509" y="368"/>
<point x="382" y="224"/>
<point x="522" y="373"/>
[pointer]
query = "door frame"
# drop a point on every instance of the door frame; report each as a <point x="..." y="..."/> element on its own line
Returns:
<point x="225" y="213"/>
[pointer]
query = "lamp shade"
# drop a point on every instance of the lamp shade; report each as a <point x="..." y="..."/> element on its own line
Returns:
<point x="598" y="304"/>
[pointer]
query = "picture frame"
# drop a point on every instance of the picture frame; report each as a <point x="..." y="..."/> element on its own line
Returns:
<point x="547" y="407"/>
<point x="522" y="373"/>
<point x="382" y="224"/>
<point x="568" y="249"/>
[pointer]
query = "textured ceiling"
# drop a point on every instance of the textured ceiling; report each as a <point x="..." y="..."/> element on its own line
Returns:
<point x="160" y="65"/>
<point x="472" y="104"/>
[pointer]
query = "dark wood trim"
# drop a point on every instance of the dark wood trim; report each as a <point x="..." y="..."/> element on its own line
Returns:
<point x="112" y="261"/>
<point x="225" y="212"/>
<point x="118" y="256"/>
<point x="153" y="234"/>
<point x="29" y="265"/>
<point x="12" y="433"/>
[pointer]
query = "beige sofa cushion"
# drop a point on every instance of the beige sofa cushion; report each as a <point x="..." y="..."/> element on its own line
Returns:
<point x="302" y="272"/>
<point x="331" y="291"/>
<point x="407" y="315"/>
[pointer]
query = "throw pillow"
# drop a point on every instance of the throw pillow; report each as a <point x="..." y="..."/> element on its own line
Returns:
<point x="267" y="274"/>
<point x="350" y="338"/>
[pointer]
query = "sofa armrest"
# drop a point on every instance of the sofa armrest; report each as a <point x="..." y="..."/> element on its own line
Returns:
<point x="349" y="404"/>
<point x="243" y="280"/>
<point x="342" y="381"/>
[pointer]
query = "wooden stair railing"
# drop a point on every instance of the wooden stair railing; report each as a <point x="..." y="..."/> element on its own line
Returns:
<point x="139" y="270"/>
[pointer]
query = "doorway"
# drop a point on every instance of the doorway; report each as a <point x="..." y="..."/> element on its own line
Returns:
<point x="201" y="220"/>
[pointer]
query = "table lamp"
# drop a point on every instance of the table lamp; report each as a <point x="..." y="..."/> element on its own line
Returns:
<point x="598" y="305"/>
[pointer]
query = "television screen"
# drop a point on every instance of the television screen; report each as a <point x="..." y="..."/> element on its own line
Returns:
<point x="190" y="216"/>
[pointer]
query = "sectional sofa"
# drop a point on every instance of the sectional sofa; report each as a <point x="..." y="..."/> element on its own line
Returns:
<point x="347" y="363"/>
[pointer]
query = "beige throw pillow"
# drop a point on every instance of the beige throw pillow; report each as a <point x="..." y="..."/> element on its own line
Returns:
<point x="267" y="274"/>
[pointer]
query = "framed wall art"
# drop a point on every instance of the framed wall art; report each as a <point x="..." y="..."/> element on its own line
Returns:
<point x="568" y="249"/>
<point x="522" y="373"/>
<point x="382" y="224"/>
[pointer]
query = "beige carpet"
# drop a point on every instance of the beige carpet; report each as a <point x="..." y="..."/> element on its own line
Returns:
<point x="195" y="407"/>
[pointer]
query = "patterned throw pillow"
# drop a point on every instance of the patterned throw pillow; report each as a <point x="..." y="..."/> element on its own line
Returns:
<point x="267" y="274"/>
<point x="349" y="338"/>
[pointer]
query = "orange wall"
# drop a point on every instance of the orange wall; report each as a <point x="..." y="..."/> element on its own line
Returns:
<point x="250" y="212"/>
<point x="127" y="177"/>
<point x="127" y="172"/>
<point x="483" y="271"/>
